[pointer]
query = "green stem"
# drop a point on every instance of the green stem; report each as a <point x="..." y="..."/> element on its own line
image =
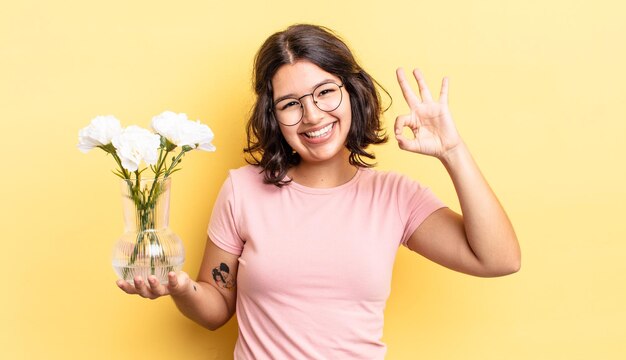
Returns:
<point x="157" y="173"/>
<point x="119" y="163"/>
<point x="160" y="162"/>
<point x="174" y="163"/>
<point x="146" y="207"/>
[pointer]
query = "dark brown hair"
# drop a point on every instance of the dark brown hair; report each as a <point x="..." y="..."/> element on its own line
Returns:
<point x="266" y="145"/>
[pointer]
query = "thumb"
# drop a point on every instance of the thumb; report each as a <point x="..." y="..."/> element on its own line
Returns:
<point x="177" y="283"/>
<point x="402" y="122"/>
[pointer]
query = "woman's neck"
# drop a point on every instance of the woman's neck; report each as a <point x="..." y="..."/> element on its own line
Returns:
<point x="325" y="174"/>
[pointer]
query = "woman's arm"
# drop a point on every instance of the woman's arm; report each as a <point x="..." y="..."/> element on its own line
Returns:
<point x="482" y="242"/>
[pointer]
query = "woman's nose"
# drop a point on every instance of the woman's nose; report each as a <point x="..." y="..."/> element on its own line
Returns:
<point x="311" y="113"/>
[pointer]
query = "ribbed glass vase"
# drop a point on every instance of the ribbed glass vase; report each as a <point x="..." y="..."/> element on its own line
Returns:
<point x="148" y="246"/>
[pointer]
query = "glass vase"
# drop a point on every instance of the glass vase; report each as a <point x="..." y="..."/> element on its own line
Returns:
<point x="148" y="246"/>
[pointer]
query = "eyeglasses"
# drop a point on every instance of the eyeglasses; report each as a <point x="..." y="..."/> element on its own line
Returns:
<point x="327" y="97"/>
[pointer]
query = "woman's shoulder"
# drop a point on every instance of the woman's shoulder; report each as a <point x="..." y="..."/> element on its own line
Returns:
<point x="384" y="176"/>
<point x="248" y="178"/>
<point x="247" y="171"/>
<point x="388" y="180"/>
<point x="247" y="174"/>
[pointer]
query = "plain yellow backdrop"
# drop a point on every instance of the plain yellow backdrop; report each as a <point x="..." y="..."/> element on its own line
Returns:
<point x="537" y="89"/>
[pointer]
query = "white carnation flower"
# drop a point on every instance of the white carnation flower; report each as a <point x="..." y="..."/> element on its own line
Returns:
<point x="99" y="132"/>
<point x="168" y="125"/>
<point x="180" y="131"/>
<point x="135" y="144"/>
<point x="200" y="135"/>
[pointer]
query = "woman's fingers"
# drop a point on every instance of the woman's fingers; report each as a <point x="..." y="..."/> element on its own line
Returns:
<point x="156" y="288"/>
<point x="126" y="287"/>
<point x="141" y="287"/>
<point x="178" y="283"/>
<point x="421" y="84"/>
<point x="173" y="284"/>
<point x="152" y="288"/>
<point x="424" y="92"/>
<point x="172" y="280"/>
<point x="407" y="91"/>
<point x="402" y="122"/>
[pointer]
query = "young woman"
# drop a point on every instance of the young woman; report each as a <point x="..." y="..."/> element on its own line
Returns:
<point x="302" y="241"/>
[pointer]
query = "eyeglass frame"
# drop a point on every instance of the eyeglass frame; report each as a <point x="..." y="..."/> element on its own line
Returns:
<point x="340" y="86"/>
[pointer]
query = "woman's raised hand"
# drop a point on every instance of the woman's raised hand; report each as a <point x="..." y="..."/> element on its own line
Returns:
<point x="177" y="284"/>
<point x="429" y="120"/>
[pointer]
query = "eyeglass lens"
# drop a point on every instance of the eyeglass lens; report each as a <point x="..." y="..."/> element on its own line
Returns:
<point x="327" y="97"/>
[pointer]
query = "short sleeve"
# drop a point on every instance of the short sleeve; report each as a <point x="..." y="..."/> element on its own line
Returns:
<point x="415" y="204"/>
<point x="223" y="226"/>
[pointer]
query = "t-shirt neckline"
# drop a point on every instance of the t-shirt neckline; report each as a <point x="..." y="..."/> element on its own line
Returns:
<point x="321" y="191"/>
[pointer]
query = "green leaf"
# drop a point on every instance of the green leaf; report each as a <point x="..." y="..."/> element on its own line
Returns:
<point x="118" y="173"/>
<point x="175" y="170"/>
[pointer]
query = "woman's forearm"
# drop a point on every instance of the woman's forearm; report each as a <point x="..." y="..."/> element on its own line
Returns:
<point x="489" y="231"/>
<point x="204" y="304"/>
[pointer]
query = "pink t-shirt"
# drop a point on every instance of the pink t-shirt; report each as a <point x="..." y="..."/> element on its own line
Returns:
<point x="315" y="264"/>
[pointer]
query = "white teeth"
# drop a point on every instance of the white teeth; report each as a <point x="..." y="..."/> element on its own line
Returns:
<point x="320" y="132"/>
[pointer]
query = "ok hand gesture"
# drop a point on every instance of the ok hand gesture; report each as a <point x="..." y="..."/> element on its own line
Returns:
<point x="429" y="120"/>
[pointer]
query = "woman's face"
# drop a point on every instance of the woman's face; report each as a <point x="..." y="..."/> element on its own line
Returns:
<point x="320" y="135"/>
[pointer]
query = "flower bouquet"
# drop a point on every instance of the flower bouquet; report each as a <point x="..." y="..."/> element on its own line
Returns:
<point x="148" y="246"/>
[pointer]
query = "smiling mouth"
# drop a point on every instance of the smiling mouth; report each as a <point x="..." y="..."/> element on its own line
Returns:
<point x="319" y="133"/>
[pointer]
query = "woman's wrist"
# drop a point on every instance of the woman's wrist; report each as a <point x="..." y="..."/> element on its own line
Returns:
<point x="455" y="155"/>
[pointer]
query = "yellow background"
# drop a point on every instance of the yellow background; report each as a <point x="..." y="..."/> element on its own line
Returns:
<point x="537" y="91"/>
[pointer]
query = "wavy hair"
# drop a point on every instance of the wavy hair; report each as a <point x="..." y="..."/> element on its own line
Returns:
<point x="267" y="147"/>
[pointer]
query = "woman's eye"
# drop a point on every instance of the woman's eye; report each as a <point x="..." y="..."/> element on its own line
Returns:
<point x="325" y="92"/>
<point x="288" y="105"/>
